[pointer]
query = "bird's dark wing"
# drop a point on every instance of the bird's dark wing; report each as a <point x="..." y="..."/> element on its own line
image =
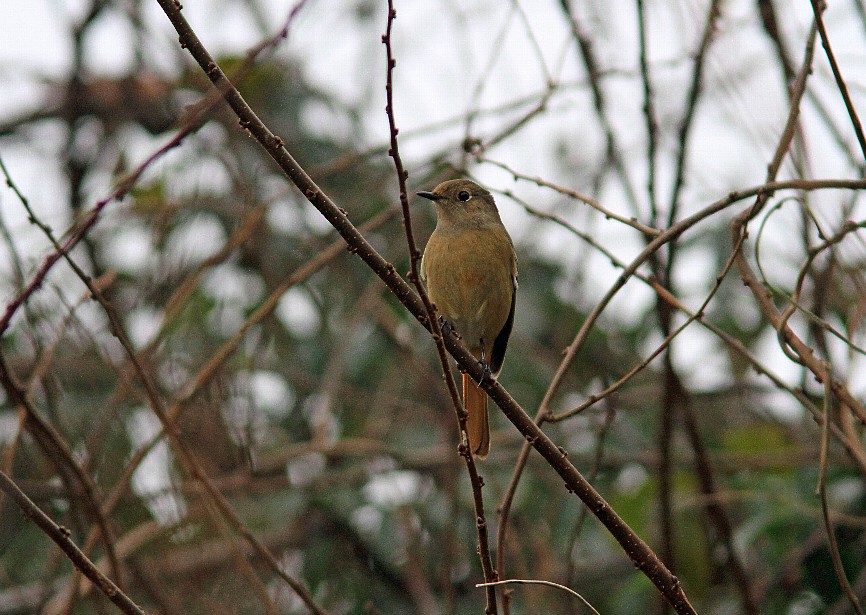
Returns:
<point x="497" y="354"/>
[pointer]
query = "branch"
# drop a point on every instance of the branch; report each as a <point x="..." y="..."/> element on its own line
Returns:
<point x="635" y="548"/>
<point x="60" y="535"/>
<point x="414" y="256"/>
<point x="829" y="399"/>
<point x="547" y="583"/>
<point x="818" y="9"/>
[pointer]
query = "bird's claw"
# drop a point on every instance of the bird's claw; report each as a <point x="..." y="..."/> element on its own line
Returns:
<point x="446" y="327"/>
<point x="486" y="373"/>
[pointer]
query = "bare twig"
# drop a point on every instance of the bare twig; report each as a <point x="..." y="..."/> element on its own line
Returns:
<point x="849" y="441"/>
<point x="649" y="114"/>
<point x="56" y="449"/>
<point x="691" y="106"/>
<point x="435" y="330"/>
<point x="594" y="74"/>
<point x="632" y="222"/>
<point x="60" y="536"/>
<point x="634" y="547"/>
<point x="546" y="583"/>
<point x="818" y="7"/>
<point x="829" y="399"/>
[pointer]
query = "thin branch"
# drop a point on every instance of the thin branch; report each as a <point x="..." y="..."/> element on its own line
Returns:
<point x="60" y="536"/>
<point x="649" y="114"/>
<point x="414" y="255"/>
<point x="802" y="353"/>
<point x="762" y="191"/>
<point x="691" y="107"/>
<point x="818" y="7"/>
<point x="540" y="582"/>
<point x="55" y="448"/>
<point x="594" y="74"/>
<point x="636" y="549"/>
<point x="193" y="121"/>
<point x="829" y="399"/>
<point x="851" y="444"/>
<point x="632" y="222"/>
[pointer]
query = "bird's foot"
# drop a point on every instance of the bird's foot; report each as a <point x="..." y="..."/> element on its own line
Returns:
<point x="486" y="371"/>
<point x="446" y="327"/>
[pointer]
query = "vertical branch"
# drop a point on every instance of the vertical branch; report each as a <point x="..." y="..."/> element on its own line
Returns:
<point x="670" y="399"/>
<point x="590" y="63"/>
<point x="649" y="114"/>
<point x="691" y="107"/>
<point x="669" y="403"/>
<point x="829" y="402"/>
<point x="476" y="480"/>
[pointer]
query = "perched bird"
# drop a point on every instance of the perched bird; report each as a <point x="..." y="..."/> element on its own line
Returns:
<point x="470" y="271"/>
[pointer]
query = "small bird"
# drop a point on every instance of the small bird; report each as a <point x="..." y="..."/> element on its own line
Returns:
<point x="470" y="271"/>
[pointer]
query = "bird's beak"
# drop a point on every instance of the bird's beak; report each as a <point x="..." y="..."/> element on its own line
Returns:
<point x="430" y="195"/>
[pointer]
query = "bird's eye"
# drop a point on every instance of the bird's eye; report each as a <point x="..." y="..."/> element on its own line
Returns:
<point x="463" y="195"/>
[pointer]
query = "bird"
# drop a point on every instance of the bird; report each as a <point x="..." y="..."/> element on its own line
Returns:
<point x="469" y="269"/>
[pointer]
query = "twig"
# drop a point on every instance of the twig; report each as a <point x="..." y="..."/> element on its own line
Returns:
<point x="193" y="122"/>
<point x="851" y="443"/>
<point x="60" y="536"/>
<point x="632" y="222"/>
<point x="691" y="106"/>
<point x="594" y="74"/>
<point x="188" y="459"/>
<point x="738" y="228"/>
<point x="635" y="548"/>
<point x="821" y="491"/>
<point x="414" y="255"/>
<point x="649" y="114"/>
<point x="665" y="343"/>
<point x="818" y="7"/>
<point x="630" y="270"/>
<point x="540" y="582"/>
<point x="52" y="443"/>
<point x="601" y="436"/>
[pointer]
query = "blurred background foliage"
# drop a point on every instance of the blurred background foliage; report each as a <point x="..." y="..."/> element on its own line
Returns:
<point x="327" y="424"/>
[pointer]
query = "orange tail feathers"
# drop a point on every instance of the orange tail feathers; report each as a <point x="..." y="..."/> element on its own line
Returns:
<point x="475" y="402"/>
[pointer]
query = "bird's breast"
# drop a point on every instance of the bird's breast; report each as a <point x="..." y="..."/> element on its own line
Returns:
<point x="469" y="277"/>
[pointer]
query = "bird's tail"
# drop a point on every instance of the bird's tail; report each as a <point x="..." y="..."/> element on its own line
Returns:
<point x="475" y="402"/>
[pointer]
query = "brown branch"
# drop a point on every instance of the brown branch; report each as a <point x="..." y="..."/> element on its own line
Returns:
<point x="594" y="74"/>
<point x="209" y="369"/>
<point x="637" y="550"/>
<point x="649" y="114"/>
<point x="762" y="191"/>
<point x="194" y="120"/>
<point x="691" y="107"/>
<point x="476" y="480"/>
<point x="848" y="440"/>
<point x="648" y="231"/>
<point x="818" y="9"/>
<point x="790" y="342"/>
<point x="60" y="535"/>
<point x="838" y="568"/>
<point x="188" y="459"/>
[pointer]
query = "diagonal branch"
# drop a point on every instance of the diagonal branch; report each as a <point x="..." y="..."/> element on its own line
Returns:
<point x="818" y="9"/>
<point x="637" y="550"/>
<point x="60" y="535"/>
